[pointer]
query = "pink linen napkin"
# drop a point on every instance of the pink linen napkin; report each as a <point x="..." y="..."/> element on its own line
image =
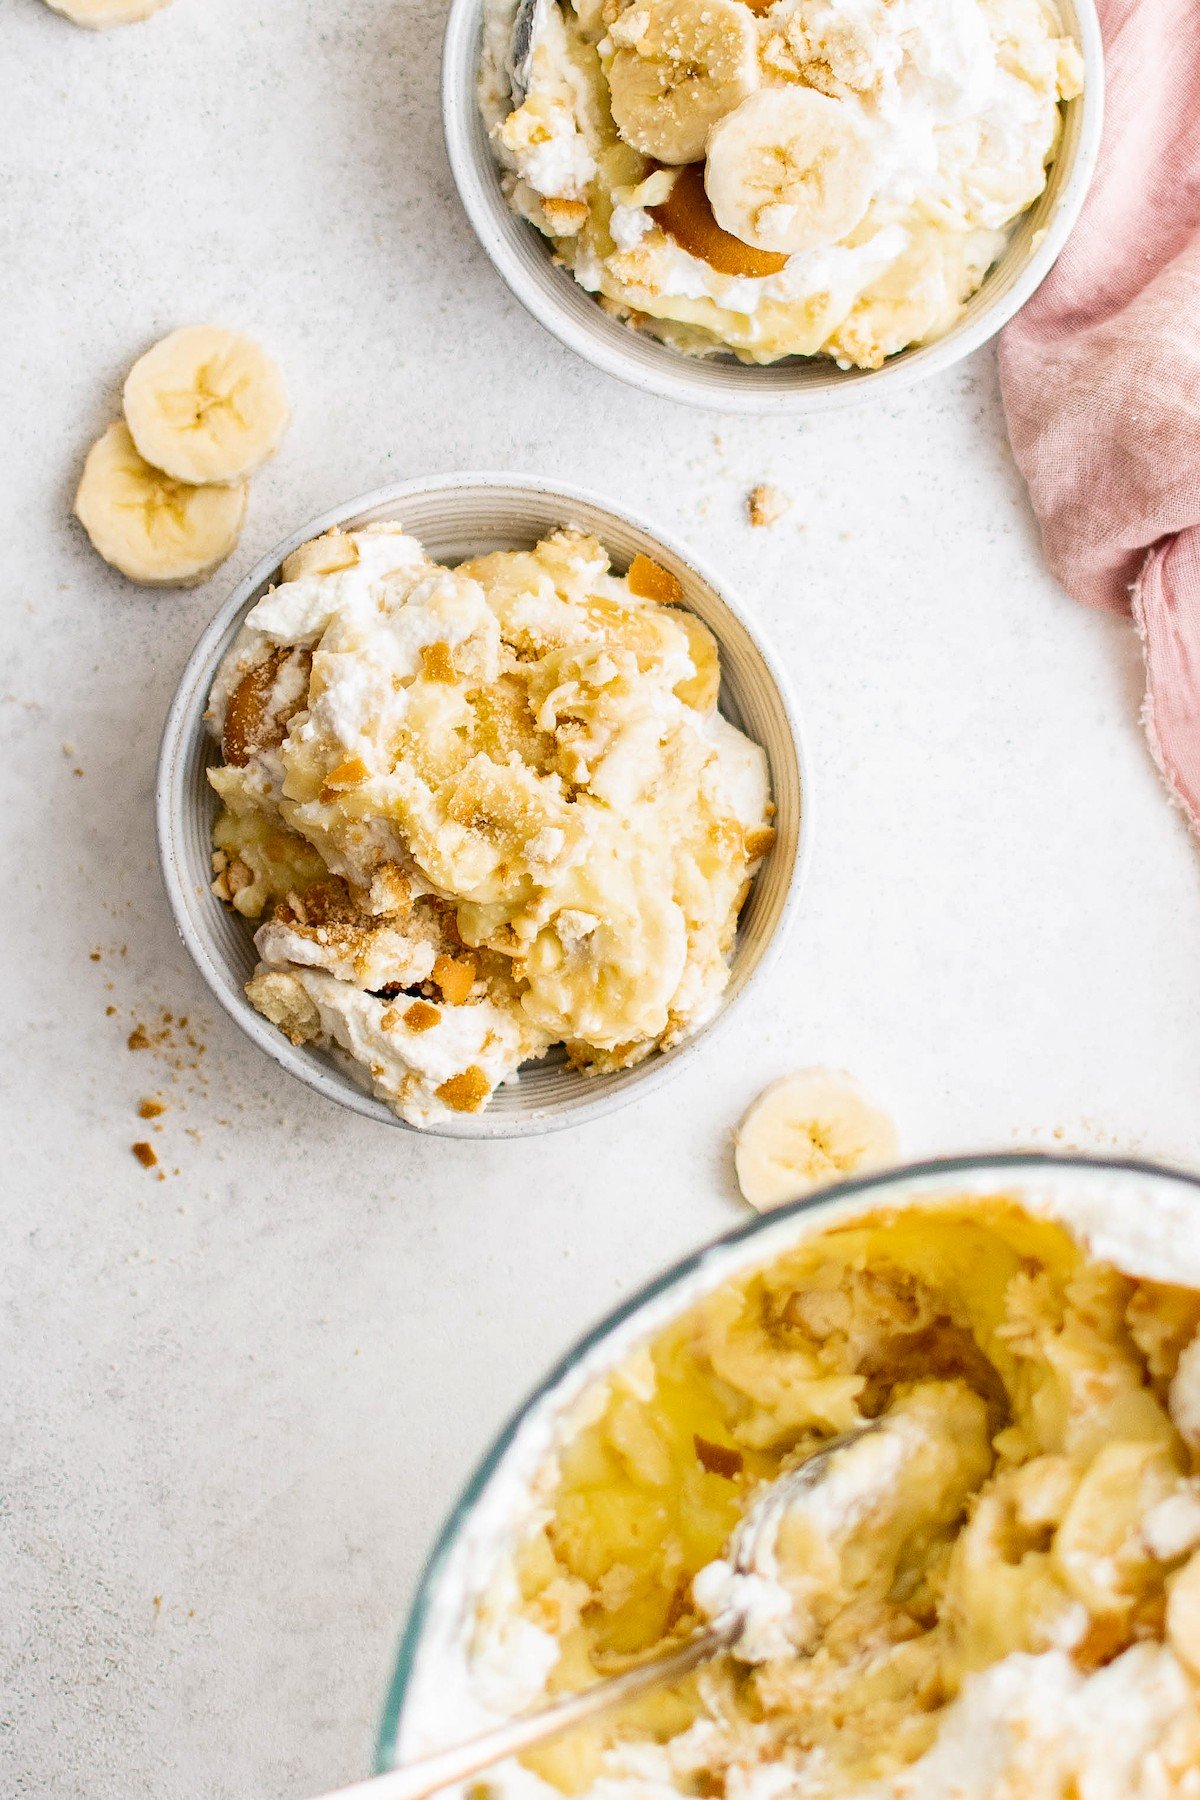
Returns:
<point x="1101" y="375"/>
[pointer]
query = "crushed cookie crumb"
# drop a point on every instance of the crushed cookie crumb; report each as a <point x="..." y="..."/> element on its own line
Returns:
<point x="718" y="1459"/>
<point x="139" y="1038"/>
<point x="760" y="841"/>
<point x="650" y="581"/>
<point x="151" y="1109"/>
<point x="766" y="505"/>
<point x="350" y="773"/>
<point x="467" y="1091"/>
<point x="420" y="1016"/>
<point x="437" y="663"/>
<point x="146" y="1154"/>
<point x="237" y="876"/>
<point x="455" y="976"/>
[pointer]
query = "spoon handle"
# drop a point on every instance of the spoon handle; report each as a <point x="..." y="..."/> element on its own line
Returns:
<point x="413" y="1781"/>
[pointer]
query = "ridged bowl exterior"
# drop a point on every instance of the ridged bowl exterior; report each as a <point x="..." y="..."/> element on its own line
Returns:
<point x="524" y="258"/>
<point x="457" y="517"/>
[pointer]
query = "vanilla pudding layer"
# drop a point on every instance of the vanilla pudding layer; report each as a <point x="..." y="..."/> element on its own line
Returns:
<point x="938" y="121"/>
<point x="994" y="1593"/>
<point x="482" y="811"/>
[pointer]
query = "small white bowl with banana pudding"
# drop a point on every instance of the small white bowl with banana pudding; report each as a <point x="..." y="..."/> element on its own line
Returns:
<point x="780" y="206"/>
<point x="480" y="803"/>
<point x="989" y="1589"/>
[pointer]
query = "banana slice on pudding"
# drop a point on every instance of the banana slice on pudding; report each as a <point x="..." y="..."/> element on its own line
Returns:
<point x="789" y="170"/>
<point x="680" y="65"/>
<point x="805" y="1131"/>
<point x="206" y="404"/>
<point x="156" y="530"/>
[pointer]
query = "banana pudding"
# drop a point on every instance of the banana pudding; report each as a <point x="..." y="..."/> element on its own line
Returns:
<point x="796" y="178"/>
<point x="481" y="812"/>
<point x="992" y="1592"/>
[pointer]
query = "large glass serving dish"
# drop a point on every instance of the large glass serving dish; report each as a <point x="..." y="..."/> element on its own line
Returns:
<point x="1144" y="1218"/>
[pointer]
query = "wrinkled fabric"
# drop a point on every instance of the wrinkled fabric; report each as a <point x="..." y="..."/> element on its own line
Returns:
<point x="1101" y="375"/>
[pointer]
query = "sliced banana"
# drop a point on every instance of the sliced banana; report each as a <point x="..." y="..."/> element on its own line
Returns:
<point x="789" y="170"/>
<point x="680" y="65"/>
<point x="805" y="1131"/>
<point x="98" y="15"/>
<point x="1099" y="1549"/>
<point x="206" y="404"/>
<point x="162" y="532"/>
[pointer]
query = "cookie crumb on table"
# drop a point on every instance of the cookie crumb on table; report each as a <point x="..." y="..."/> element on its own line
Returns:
<point x="145" y="1154"/>
<point x="766" y="504"/>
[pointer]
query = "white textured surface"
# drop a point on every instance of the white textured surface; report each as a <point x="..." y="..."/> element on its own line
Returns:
<point x="243" y="1397"/>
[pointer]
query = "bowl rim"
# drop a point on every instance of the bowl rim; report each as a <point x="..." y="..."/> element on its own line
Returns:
<point x="933" y="1170"/>
<point x="664" y="376"/>
<point x="171" y="810"/>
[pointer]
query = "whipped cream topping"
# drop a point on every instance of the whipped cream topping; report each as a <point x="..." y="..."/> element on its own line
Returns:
<point x="1037" y="1727"/>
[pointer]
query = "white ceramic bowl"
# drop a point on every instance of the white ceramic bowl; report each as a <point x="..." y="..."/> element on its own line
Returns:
<point x="1140" y="1213"/>
<point x="457" y="516"/>
<point x="797" y="384"/>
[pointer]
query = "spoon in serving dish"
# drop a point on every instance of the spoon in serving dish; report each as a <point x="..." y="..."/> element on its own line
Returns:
<point x="750" y="1547"/>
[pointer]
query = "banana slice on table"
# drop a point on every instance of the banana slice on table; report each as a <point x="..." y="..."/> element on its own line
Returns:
<point x="97" y="15"/>
<point x="206" y="404"/>
<point x="162" y="532"/>
<point x="680" y="65"/>
<point x="788" y="170"/>
<point x="806" y="1131"/>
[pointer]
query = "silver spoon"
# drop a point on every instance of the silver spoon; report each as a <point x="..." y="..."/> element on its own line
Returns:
<point x="527" y="28"/>
<point x="754" y="1535"/>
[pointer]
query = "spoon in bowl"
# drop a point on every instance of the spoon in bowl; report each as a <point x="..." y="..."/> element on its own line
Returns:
<point x="750" y="1544"/>
<point x="526" y="30"/>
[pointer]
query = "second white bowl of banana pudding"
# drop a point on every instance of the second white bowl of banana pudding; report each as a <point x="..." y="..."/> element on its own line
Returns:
<point x="479" y="804"/>
<point x="785" y="205"/>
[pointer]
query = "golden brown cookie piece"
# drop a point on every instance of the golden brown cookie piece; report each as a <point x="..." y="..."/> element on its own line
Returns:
<point x="686" y="215"/>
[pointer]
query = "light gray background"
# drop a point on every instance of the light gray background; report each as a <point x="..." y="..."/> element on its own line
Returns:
<point x="238" y="1402"/>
